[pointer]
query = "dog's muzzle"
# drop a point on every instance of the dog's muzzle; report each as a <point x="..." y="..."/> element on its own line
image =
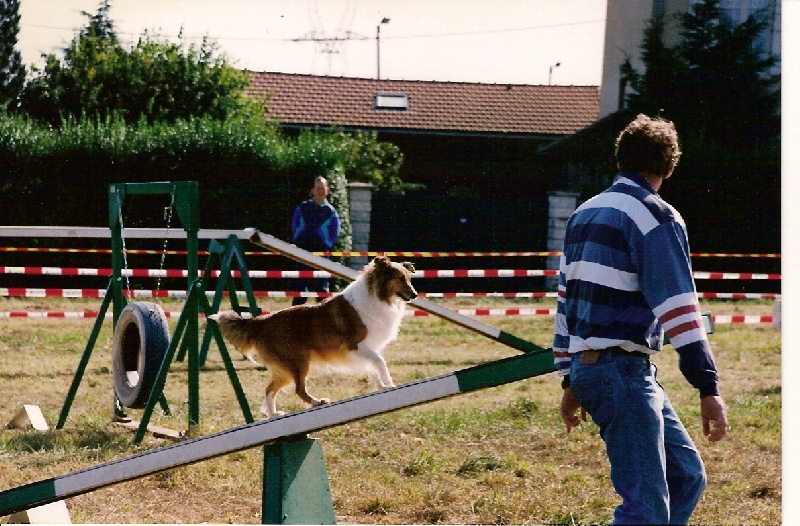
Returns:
<point x="408" y="296"/>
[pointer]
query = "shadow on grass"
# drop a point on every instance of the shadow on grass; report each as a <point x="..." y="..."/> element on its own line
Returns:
<point x="91" y="438"/>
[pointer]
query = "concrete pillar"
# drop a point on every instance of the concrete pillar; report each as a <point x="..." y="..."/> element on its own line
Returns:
<point x="561" y="206"/>
<point x="776" y="314"/>
<point x="360" y="217"/>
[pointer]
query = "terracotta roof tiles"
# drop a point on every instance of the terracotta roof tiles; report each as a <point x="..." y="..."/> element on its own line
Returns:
<point x="460" y="107"/>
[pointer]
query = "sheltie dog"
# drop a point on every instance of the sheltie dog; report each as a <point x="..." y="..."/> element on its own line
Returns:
<point x="345" y="333"/>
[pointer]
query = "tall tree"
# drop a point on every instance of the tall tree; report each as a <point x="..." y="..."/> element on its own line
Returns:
<point x="658" y="87"/>
<point x="12" y="71"/>
<point x="719" y="87"/>
<point x="733" y="91"/>
<point x="155" y="80"/>
<point x="84" y="81"/>
<point x="717" y="82"/>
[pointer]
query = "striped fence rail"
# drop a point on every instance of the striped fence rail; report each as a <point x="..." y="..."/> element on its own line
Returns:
<point x="475" y="312"/>
<point x="30" y="292"/>
<point x="26" y="292"/>
<point x="293" y="274"/>
<point x="369" y="253"/>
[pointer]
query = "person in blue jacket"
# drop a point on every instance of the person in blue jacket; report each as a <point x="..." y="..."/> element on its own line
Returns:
<point x="625" y="279"/>
<point x="315" y="227"/>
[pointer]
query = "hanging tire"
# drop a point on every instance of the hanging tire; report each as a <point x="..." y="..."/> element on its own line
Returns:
<point x="141" y="340"/>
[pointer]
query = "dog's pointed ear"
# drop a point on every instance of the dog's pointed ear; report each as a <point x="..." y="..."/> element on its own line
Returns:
<point x="382" y="261"/>
<point x="409" y="266"/>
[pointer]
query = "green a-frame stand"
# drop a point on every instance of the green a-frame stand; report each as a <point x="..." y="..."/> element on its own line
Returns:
<point x="184" y="340"/>
<point x="185" y="200"/>
<point x="185" y="196"/>
<point x="296" y="487"/>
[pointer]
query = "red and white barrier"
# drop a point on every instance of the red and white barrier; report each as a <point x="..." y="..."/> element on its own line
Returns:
<point x="718" y="319"/>
<point x="155" y="273"/>
<point x="749" y="320"/>
<point x="738" y="295"/>
<point x="406" y="254"/>
<point x="274" y="274"/>
<point x="735" y="275"/>
<point x="452" y="273"/>
<point x="23" y="292"/>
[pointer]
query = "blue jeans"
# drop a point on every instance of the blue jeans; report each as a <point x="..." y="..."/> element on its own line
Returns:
<point x="309" y="285"/>
<point x="655" y="466"/>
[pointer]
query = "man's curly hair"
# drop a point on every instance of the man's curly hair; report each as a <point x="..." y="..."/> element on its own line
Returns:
<point x="648" y="146"/>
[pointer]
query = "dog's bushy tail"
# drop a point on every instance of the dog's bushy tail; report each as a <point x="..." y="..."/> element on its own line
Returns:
<point x="234" y="328"/>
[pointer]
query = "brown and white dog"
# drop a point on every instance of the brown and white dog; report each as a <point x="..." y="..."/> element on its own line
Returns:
<point x="346" y="333"/>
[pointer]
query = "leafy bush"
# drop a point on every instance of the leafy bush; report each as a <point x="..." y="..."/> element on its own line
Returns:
<point x="250" y="173"/>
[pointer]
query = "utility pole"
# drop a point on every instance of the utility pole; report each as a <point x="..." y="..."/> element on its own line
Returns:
<point x="550" y="78"/>
<point x="378" y="41"/>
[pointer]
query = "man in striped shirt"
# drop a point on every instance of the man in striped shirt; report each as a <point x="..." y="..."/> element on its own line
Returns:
<point x="625" y="279"/>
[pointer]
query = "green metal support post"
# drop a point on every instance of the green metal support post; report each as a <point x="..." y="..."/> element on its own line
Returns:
<point x="116" y="196"/>
<point x="186" y="204"/>
<point x="186" y="199"/>
<point x="296" y="487"/>
<point x="181" y="331"/>
<point x="228" y="253"/>
<point x="87" y="353"/>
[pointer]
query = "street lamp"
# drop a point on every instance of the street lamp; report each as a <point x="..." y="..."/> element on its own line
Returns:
<point x="550" y="78"/>
<point x="378" y="40"/>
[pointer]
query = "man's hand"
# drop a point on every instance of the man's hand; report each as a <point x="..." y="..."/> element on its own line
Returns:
<point x="715" y="417"/>
<point x="569" y="408"/>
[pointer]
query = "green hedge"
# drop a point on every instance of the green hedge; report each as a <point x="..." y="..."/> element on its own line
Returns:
<point x="250" y="174"/>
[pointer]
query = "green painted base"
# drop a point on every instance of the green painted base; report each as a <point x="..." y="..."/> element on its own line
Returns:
<point x="296" y="488"/>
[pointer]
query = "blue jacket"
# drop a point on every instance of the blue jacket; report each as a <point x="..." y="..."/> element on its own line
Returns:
<point x="626" y="277"/>
<point x="315" y="227"/>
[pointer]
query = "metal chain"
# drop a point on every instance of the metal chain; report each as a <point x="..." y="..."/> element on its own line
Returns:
<point x="166" y="238"/>
<point x="124" y="250"/>
<point x="180" y="416"/>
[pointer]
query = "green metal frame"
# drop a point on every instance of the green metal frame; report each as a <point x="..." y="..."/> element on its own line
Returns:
<point x="226" y="254"/>
<point x="87" y="353"/>
<point x="186" y="197"/>
<point x="296" y="489"/>
<point x="184" y="340"/>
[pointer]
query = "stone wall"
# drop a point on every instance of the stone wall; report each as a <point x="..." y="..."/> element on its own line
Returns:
<point x="360" y="216"/>
<point x="561" y="206"/>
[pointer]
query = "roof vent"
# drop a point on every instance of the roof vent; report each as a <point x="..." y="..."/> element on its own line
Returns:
<point x="391" y="101"/>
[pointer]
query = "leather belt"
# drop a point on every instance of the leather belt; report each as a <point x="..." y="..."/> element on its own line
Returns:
<point x="591" y="356"/>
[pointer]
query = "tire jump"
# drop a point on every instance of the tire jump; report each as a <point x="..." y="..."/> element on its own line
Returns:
<point x="141" y="340"/>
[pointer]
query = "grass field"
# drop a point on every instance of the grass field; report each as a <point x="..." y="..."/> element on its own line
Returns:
<point x="498" y="456"/>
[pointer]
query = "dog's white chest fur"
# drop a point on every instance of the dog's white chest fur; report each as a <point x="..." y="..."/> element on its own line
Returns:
<point x="382" y="320"/>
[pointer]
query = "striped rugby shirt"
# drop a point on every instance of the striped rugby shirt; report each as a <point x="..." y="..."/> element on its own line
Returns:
<point x="626" y="278"/>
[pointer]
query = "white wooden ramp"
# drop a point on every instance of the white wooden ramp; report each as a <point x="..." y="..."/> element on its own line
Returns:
<point x="105" y="232"/>
<point x="341" y="271"/>
<point x="266" y="431"/>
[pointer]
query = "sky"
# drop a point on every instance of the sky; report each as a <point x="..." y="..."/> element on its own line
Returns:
<point x="488" y="41"/>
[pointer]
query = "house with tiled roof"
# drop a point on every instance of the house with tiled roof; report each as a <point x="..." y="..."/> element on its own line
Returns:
<point x="427" y="107"/>
<point x="471" y="144"/>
